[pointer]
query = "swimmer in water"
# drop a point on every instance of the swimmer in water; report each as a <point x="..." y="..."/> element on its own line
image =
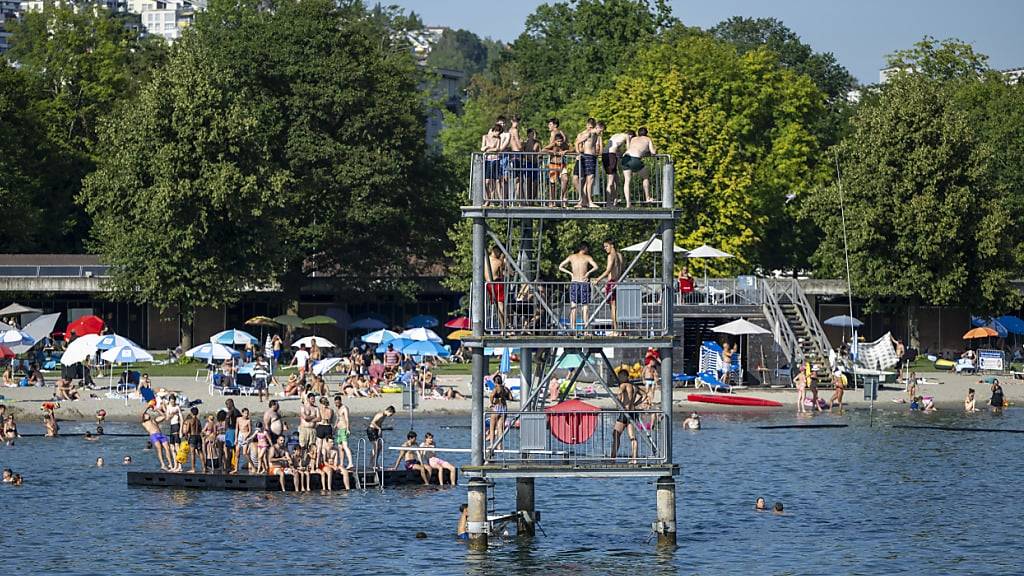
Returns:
<point x="99" y="462"/>
<point x="777" y="509"/>
<point x="692" y="423"/>
<point x="462" y="530"/>
<point x="760" y="505"/>
<point x="127" y="460"/>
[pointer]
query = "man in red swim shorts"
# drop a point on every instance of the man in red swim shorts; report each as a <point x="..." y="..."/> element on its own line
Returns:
<point x="494" y="274"/>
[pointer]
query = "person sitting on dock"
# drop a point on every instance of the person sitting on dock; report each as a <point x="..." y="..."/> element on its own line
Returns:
<point x="66" y="390"/>
<point x="627" y="399"/>
<point x="160" y="442"/>
<point x="333" y="463"/>
<point x="301" y="466"/>
<point x="279" y="461"/>
<point x="373" y="432"/>
<point x="434" y="462"/>
<point x="413" y="459"/>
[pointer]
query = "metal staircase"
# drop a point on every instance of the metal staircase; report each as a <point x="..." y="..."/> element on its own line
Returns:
<point x="793" y="322"/>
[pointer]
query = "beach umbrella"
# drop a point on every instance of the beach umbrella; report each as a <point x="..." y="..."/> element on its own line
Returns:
<point x="572" y="421"/>
<point x="234" y="337"/>
<point x="321" y="367"/>
<point x="421" y="334"/>
<point x="460" y="323"/>
<point x="319" y="320"/>
<point x="740" y="327"/>
<point x="655" y="246"/>
<point x="16" y="338"/>
<point x="1013" y="324"/>
<point x="212" y="351"/>
<point x="422" y="321"/>
<point x="81" y="349"/>
<point x="261" y="321"/>
<point x="843" y="322"/>
<point x="126" y="354"/>
<point x="17" y="310"/>
<point x="6" y="353"/>
<point x="108" y="341"/>
<point x="368" y="324"/>
<point x="425" y="348"/>
<point x="459" y="334"/>
<point x="980" y="332"/>
<point x="706" y="251"/>
<point x="379" y="337"/>
<point x="308" y="341"/>
<point x="398" y="343"/>
<point x="570" y="362"/>
<point x="85" y="325"/>
<point x="290" y="320"/>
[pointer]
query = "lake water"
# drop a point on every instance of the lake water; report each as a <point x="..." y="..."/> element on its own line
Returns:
<point x="867" y="499"/>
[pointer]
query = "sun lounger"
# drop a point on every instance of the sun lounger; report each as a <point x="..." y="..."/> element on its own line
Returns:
<point x="712" y="382"/>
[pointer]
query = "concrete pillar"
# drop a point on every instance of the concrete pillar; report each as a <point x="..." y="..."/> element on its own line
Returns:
<point x="665" y="526"/>
<point x="477" y="525"/>
<point x="526" y="524"/>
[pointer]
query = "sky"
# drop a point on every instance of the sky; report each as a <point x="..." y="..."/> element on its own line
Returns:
<point x="860" y="33"/>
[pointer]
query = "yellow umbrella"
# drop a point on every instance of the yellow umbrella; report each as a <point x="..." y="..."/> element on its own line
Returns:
<point x="459" y="334"/>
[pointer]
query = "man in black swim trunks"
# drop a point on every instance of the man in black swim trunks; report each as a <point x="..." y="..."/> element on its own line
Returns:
<point x="627" y="397"/>
<point x="373" y="432"/>
<point x="588" y="143"/>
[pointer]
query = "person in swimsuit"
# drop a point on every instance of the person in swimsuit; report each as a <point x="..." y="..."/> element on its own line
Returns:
<point x="613" y="269"/>
<point x="172" y="413"/>
<point x="637" y="148"/>
<point x="579" y="266"/>
<point x="650" y="378"/>
<point x="160" y="443"/>
<point x="839" y="381"/>
<point x="10" y="429"/>
<point x="190" y="431"/>
<point x="558" y="178"/>
<point x="410" y="459"/>
<point x="587" y="145"/>
<point x="341" y="427"/>
<point x="324" y="431"/>
<point x="308" y="416"/>
<point x="263" y="445"/>
<point x="610" y="161"/>
<point x="272" y="421"/>
<point x="969" y="401"/>
<point x="490" y="145"/>
<point x="462" y="529"/>
<point x="693" y="422"/>
<point x="500" y="398"/>
<point x="434" y="462"/>
<point x="494" y="275"/>
<point x="243" y="434"/>
<point x="531" y="168"/>
<point x="373" y="432"/>
<point x="627" y="398"/>
<point x="299" y="465"/>
<point x="800" y="381"/>
<point x="210" y="452"/>
<point x="997" y="401"/>
<point x="280" y="462"/>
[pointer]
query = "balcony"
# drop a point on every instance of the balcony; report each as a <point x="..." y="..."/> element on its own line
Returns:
<point x="516" y="180"/>
<point x="576" y="443"/>
<point x="575" y="309"/>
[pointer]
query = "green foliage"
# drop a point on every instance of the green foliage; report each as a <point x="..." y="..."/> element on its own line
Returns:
<point x="949" y="59"/>
<point x="22" y="166"/>
<point x="738" y="129"/>
<point x="925" y="222"/>
<point x="465" y="51"/>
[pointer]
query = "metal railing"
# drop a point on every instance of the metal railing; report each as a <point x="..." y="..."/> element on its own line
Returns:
<point x="739" y="291"/>
<point x="779" y="325"/>
<point x="54" y="271"/>
<point x="789" y="289"/>
<point x="577" y="439"/>
<point x="541" y="179"/>
<point x="545" y="308"/>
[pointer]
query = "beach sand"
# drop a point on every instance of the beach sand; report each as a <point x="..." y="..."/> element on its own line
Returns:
<point x="26" y="402"/>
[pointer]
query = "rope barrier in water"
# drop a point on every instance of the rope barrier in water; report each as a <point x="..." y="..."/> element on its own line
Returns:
<point x="795" y="426"/>
<point x="959" y="429"/>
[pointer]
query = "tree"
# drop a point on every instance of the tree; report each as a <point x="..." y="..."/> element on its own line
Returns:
<point x="459" y="50"/>
<point x="83" y="64"/>
<point x="22" y="149"/>
<point x="925" y="223"/>
<point x="738" y="128"/>
<point x="949" y="59"/>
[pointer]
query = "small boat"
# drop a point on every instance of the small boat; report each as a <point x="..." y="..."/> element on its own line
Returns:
<point x="732" y="399"/>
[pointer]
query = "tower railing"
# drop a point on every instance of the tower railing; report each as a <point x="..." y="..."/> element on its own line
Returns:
<point x="545" y="180"/>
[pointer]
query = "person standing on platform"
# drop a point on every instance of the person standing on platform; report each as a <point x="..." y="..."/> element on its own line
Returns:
<point x="632" y="163"/>
<point x="231" y="416"/>
<point x="308" y="416"/>
<point x="374" y="430"/>
<point x="587" y="145"/>
<point x="341" y="428"/>
<point x="686" y="284"/>
<point x="494" y="275"/>
<point x="614" y="266"/>
<point x="610" y="161"/>
<point x="579" y="266"/>
<point x="627" y="398"/>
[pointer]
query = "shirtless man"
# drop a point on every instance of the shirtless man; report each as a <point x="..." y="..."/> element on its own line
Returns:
<point x="374" y="429"/>
<point x="627" y="397"/>
<point x="610" y="160"/>
<point x="412" y="458"/>
<point x="341" y="427"/>
<point x="273" y="423"/>
<point x="190" y="432"/>
<point x="494" y="274"/>
<point x="579" y="266"/>
<point x="587" y="145"/>
<point x="308" y="416"/>
<point x="490" y="145"/>
<point x="613" y="269"/>
<point x="243" y="435"/>
<point x="50" y="421"/>
<point x="637" y="148"/>
<point x="650" y="378"/>
<point x="160" y="443"/>
<point x="531" y="168"/>
<point x="324" y="430"/>
<point x="279" y="461"/>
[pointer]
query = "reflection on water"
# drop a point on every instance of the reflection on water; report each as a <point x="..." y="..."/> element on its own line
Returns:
<point x="867" y="499"/>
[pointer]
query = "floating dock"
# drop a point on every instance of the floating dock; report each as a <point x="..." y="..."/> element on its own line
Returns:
<point x="266" y="483"/>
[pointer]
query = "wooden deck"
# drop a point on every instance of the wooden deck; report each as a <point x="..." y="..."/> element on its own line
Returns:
<point x="264" y="483"/>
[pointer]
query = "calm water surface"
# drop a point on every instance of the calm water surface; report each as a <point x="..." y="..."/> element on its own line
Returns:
<point x="868" y="499"/>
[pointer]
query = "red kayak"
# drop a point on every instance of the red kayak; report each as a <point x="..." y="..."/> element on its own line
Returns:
<point x="732" y="400"/>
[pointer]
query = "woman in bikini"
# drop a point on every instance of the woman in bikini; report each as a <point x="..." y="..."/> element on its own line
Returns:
<point x="499" y="408"/>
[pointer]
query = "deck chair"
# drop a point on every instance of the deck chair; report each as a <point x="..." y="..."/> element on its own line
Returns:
<point x="220" y="383"/>
<point x="245" y="385"/>
<point x="711" y="381"/>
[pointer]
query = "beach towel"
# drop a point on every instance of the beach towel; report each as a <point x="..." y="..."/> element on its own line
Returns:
<point x="878" y="355"/>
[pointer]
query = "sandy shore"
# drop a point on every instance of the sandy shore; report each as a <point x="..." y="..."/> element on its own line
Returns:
<point x="948" y="392"/>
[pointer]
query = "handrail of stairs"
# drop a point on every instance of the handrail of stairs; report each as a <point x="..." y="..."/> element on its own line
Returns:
<point x="817" y="332"/>
<point x="781" y="330"/>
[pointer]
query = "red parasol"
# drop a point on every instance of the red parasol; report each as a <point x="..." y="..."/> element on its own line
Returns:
<point x="572" y="421"/>
<point x="84" y="325"/>
<point x="6" y="352"/>
<point x="460" y="323"/>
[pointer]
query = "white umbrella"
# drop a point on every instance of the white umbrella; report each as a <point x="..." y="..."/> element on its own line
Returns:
<point x="421" y="334"/>
<point x="740" y="327"/>
<point x="111" y="341"/>
<point x="16" y="338"/>
<point x="211" y="351"/>
<point x="308" y="341"/>
<point x="80" y="349"/>
<point x="233" y="336"/>
<point x="706" y="251"/>
<point x="654" y="247"/>
<point x="321" y="367"/>
<point x="17" y="310"/>
<point x="125" y="354"/>
<point x="379" y="337"/>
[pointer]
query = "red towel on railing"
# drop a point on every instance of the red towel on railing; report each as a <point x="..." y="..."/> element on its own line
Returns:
<point x="572" y="421"/>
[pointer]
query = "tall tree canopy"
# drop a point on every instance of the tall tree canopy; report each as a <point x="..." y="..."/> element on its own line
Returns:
<point x="307" y="154"/>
